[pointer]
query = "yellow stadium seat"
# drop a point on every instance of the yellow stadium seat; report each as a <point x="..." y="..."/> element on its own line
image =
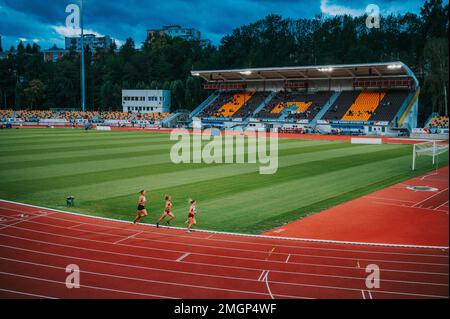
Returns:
<point x="365" y="104"/>
<point x="237" y="102"/>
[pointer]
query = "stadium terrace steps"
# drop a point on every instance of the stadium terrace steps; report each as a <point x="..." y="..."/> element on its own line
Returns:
<point x="269" y="98"/>
<point x="205" y="104"/>
<point x="248" y="108"/>
<point x="341" y="105"/>
<point x="326" y="107"/>
<point x="309" y="105"/>
<point x="390" y="106"/>
<point x="364" y="106"/>
<point x="237" y="101"/>
<point x="211" y="109"/>
<point x="431" y="119"/>
<point x="438" y="121"/>
<point x="170" y="119"/>
<point x="406" y="107"/>
<point x="298" y="105"/>
<point x="267" y="110"/>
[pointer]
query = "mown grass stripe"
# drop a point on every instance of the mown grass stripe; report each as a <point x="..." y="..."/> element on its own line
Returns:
<point x="126" y="185"/>
<point x="24" y="171"/>
<point x="312" y="176"/>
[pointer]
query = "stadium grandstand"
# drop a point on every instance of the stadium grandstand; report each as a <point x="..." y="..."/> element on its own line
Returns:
<point x="359" y="99"/>
<point x="438" y="122"/>
<point x="68" y="117"/>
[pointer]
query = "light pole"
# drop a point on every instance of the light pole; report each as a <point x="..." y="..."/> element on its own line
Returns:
<point x="83" y="89"/>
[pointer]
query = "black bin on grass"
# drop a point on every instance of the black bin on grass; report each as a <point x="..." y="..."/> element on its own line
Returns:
<point x="70" y="201"/>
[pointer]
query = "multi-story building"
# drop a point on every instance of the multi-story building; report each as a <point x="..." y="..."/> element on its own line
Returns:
<point x="146" y="101"/>
<point x="54" y="54"/>
<point x="189" y="34"/>
<point x="90" y="40"/>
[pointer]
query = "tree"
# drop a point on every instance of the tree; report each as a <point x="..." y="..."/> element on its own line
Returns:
<point x="436" y="73"/>
<point x="193" y="93"/>
<point x="177" y="89"/>
<point x="155" y="85"/>
<point x="34" y="92"/>
<point x="165" y="62"/>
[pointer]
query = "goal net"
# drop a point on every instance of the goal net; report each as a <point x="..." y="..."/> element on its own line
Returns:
<point x="430" y="149"/>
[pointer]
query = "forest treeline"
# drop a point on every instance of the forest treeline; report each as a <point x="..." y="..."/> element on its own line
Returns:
<point x="419" y="40"/>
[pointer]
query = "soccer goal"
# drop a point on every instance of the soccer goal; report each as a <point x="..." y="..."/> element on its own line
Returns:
<point x="430" y="149"/>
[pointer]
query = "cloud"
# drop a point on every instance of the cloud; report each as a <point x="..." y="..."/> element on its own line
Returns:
<point x="71" y="32"/>
<point x="334" y="9"/>
<point x="43" y="19"/>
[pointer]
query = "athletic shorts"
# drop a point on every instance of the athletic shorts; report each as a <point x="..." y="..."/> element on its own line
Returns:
<point x="140" y="207"/>
<point x="191" y="215"/>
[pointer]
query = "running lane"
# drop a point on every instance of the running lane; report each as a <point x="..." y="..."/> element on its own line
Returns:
<point x="121" y="260"/>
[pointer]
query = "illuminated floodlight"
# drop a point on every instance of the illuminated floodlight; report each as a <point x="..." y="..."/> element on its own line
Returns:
<point x="196" y="74"/>
<point x="394" y="66"/>
<point x="328" y="70"/>
<point x="246" y="72"/>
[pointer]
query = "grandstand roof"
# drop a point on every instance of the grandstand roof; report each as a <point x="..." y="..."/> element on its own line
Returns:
<point x="322" y="72"/>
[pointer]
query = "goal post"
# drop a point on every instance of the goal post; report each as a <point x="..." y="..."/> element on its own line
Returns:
<point x="431" y="149"/>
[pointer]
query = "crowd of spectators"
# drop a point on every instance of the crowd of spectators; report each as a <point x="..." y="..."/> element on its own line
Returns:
<point x="439" y="122"/>
<point x="214" y="107"/>
<point x="71" y="116"/>
<point x="360" y="113"/>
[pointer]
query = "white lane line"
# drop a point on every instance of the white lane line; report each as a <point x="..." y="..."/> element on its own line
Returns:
<point x="198" y="264"/>
<point x="363" y="295"/>
<point x="288" y="257"/>
<point x="423" y="201"/>
<point x="183" y="257"/>
<point x="76" y="226"/>
<point x="406" y="206"/>
<point x="391" y="199"/>
<point x="429" y="175"/>
<point x="235" y="249"/>
<point x="261" y="275"/>
<point x="126" y="238"/>
<point x="266" y="279"/>
<point x="26" y="294"/>
<point x="228" y="257"/>
<point x="441" y="205"/>
<point x="144" y="280"/>
<point x="86" y="286"/>
<point x="25" y="219"/>
<point x="287" y="239"/>
<point x="370" y="294"/>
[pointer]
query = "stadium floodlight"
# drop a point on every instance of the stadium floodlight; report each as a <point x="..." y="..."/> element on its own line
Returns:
<point x="328" y="70"/>
<point x="196" y="74"/>
<point x="83" y="88"/>
<point x="246" y="72"/>
<point x="394" y="66"/>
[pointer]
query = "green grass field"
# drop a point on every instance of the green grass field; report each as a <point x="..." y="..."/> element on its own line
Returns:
<point x="106" y="170"/>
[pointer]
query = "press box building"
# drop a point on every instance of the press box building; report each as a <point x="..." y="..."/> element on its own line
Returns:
<point x="146" y="101"/>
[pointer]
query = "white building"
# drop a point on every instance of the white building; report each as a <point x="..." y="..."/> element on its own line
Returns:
<point x="188" y="34"/>
<point x="146" y="101"/>
<point x="90" y="40"/>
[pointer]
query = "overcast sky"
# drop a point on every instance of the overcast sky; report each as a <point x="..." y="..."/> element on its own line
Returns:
<point x="43" y="21"/>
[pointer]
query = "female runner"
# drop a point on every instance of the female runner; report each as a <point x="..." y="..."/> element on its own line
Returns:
<point x="167" y="212"/>
<point x="192" y="213"/>
<point x="141" y="210"/>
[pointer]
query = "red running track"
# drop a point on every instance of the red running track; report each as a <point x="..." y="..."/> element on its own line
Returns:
<point x="121" y="260"/>
<point x="395" y="215"/>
